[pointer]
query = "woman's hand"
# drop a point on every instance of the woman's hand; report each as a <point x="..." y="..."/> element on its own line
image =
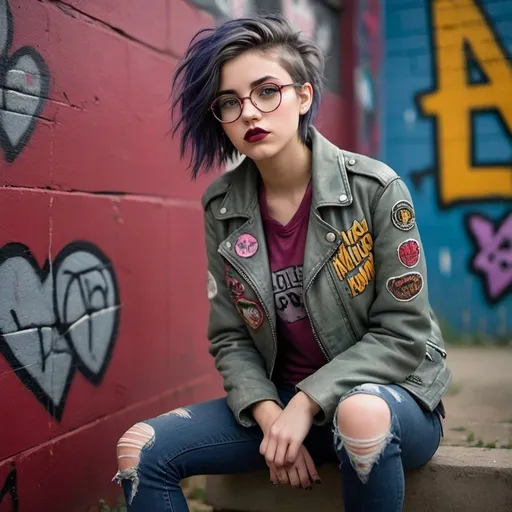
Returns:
<point x="301" y="474"/>
<point x="282" y="442"/>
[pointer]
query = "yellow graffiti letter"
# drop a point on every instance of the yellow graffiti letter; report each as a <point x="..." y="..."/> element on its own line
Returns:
<point x="456" y="22"/>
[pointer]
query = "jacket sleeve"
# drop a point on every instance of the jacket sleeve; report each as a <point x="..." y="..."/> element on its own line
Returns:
<point x="399" y="326"/>
<point x="236" y="357"/>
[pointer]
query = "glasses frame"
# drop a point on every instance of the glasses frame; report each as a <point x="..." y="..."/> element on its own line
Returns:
<point x="241" y="101"/>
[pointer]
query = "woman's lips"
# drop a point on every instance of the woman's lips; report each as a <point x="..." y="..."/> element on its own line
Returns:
<point x="256" y="137"/>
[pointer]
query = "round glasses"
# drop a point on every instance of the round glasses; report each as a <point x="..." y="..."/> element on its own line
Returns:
<point x="265" y="97"/>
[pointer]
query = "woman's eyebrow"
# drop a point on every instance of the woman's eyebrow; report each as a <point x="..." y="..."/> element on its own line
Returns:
<point x="252" y="85"/>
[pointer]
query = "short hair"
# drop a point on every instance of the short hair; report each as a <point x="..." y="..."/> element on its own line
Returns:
<point x="197" y="78"/>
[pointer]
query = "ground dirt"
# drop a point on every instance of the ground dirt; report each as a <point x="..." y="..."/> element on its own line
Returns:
<point x="479" y="401"/>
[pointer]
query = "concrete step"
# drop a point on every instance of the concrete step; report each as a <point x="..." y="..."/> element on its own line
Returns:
<point x="457" y="479"/>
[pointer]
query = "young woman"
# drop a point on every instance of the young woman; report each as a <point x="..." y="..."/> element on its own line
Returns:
<point x="320" y="322"/>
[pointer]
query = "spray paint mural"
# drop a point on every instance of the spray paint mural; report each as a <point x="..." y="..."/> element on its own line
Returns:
<point x="24" y="84"/>
<point x="449" y="133"/>
<point x="57" y="320"/>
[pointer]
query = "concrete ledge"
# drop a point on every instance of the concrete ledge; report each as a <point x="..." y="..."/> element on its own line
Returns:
<point x="456" y="480"/>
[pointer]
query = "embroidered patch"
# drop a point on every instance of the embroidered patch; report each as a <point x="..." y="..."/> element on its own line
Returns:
<point x="212" y="286"/>
<point x="409" y="253"/>
<point x="251" y="312"/>
<point x="246" y="246"/>
<point x="402" y="216"/>
<point x="236" y="288"/>
<point x="404" y="288"/>
<point x="353" y="260"/>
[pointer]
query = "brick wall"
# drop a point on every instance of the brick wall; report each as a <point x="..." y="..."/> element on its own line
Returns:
<point x="447" y="131"/>
<point x="103" y="304"/>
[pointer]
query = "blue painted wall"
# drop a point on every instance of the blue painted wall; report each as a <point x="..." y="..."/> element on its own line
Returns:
<point x="440" y="143"/>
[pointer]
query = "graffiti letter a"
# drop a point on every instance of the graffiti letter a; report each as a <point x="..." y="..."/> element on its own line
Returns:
<point x="457" y="25"/>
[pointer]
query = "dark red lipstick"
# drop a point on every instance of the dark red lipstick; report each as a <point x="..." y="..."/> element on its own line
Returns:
<point x="255" y="134"/>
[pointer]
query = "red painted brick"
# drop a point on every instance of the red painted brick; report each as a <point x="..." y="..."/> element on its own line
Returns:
<point x="135" y="18"/>
<point x="188" y="304"/>
<point x="22" y="171"/>
<point x="184" y="21"/>
<point x="71" y="473"/>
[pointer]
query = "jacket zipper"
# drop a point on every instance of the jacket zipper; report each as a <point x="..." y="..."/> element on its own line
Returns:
<point x="437" y="348"/>
<point x="267" y="313"/>
<point x="317" y="338"/>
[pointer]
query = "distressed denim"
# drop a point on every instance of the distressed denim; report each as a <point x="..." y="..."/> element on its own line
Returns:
<point x="205" y="439"/>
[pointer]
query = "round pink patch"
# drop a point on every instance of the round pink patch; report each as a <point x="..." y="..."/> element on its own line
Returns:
<point x="246" y="246"/>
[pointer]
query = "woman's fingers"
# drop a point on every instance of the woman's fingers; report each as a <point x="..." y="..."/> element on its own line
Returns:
<point x="310" y="466"/>
<point x="302" y="472"/>
<point x="293" y="477"/>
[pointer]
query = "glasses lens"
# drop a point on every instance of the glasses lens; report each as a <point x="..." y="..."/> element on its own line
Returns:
<point x="266" y="97"/>
<point x="226" y="108"/>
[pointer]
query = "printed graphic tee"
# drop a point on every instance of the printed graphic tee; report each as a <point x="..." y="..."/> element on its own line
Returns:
<point x="299" y="354"/>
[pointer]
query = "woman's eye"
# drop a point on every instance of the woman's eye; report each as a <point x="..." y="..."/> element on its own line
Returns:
<point x="268" y="91"/>
<point x="228" y="103"/>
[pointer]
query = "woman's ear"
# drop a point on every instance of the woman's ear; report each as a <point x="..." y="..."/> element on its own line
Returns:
<point x="305" y="94"/>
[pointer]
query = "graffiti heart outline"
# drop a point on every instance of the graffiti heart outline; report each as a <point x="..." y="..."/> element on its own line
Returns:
<point x="67" y="337"/>
<point x="20" y="104"/>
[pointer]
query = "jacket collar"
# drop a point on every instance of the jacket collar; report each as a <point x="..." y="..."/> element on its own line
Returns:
<point x="329" y="180"/>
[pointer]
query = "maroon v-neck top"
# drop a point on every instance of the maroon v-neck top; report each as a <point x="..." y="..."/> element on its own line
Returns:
<point x="299" y="354"/>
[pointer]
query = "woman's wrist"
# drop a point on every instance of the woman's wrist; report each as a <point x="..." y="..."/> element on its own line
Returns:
<point x="307" y="402"/>
<point x="265" y="413"/>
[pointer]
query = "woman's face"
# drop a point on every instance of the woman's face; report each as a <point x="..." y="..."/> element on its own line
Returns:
<point x="240" y="74"/>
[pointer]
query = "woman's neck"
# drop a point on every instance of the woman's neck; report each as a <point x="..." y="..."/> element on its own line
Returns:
<point x="288" y="172"/>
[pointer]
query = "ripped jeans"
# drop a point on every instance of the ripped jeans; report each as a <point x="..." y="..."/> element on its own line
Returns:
<point x="205" y="439"/>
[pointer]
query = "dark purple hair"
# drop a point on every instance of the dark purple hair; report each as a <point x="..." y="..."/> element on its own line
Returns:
<point x="196" y="81"/>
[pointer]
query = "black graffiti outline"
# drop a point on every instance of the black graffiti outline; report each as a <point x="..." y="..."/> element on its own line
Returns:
<point x="16" y="249"/>
<point x="11" y="487"/>
<point x="418" y="176"/>
<point x="476" y="251"/>
<point x="12" y="151"/>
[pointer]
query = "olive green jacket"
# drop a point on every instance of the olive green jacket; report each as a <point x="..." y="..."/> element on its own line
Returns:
<point x="364" y="284"/>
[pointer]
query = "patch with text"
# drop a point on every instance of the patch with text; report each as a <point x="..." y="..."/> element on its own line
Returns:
<point x="353" y="260"/>
<point x="288" y="295"/>
<point x="405" y="287"/>
<point x="402" y="216"/>
<point x="250" y="311"/>
<point x="409" y="253"/>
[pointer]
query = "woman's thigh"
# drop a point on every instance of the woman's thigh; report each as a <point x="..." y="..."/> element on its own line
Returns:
<point x="203" y="438"/>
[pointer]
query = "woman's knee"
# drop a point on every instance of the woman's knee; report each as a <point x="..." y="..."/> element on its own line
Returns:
<point x="363" y="415"/>
<point x="129" y="447"/>
<point x="362" y="428"/>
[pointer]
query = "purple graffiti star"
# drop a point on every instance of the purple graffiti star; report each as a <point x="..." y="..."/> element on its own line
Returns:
<point x="494" y="256"/>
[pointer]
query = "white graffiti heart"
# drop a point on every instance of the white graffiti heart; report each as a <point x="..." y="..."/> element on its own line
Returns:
<point x="24" y="88"/>
<point x="55" y="321"/>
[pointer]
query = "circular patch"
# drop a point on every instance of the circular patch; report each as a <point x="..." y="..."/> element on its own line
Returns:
<point x="246" y="246"/>
<point x="404" y="288"/>
<point x="409" y="253"/>
<point x="402" y="216"/>
<point x="212" y="286"/>
<point x="251" y="312"/>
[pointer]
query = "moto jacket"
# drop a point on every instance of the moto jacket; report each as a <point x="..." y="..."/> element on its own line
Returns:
<point x="364" y="286"/>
